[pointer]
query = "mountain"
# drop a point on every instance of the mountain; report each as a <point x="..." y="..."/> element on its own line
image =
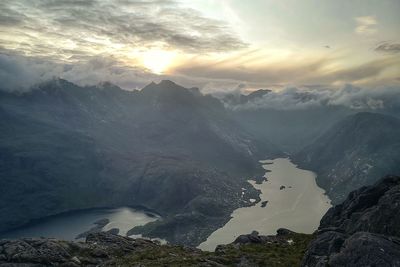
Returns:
<point x="288" y="127"/>
<point x="167" y="148"/>
<point x="362" y="231"/>
<point x="290" y="130"/>
<point x="240" y="99"/>
<point x="293" y="118"/>
<point x="354" y="152"/>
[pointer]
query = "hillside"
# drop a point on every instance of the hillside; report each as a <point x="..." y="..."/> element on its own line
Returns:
<point x="167" y="148"/>
<point x="356" y="151"/>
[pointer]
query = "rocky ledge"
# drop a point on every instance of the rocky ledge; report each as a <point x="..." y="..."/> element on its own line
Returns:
<point x="98" y="249"/>
<point x="106" y="249"/>
<point x="362" y="231"/>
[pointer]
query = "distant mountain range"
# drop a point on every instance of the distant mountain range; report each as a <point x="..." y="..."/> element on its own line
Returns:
<point x="354" y="152"/>
<point x="173" y="150"/>
<point x="346" y="147"/>
<point x="292" y="118"/>
<point x="167" y="148"/>
<point x="241" y="99"/>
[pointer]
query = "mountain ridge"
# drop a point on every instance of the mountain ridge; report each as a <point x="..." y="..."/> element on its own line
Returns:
<point x="68" y="147"/>
<point x="354" y="152"/>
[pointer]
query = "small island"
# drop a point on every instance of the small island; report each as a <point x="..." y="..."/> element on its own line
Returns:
<point x="264" y="204"/>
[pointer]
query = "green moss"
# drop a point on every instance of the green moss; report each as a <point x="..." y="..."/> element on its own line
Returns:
<point x="272" y="254"/>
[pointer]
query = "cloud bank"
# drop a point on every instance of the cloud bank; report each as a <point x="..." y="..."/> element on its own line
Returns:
<point x="73" y="28"/>
<point x="348" y="96"/>
<point x="91" y="41"/>
<point x="20" y="73"/>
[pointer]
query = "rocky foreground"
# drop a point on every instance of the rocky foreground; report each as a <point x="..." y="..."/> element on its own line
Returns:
<point x="362" y="231"/>
<point x="105" y="249"/>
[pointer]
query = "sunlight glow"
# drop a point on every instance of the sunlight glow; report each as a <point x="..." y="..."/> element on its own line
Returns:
<point x="158" y="61"/>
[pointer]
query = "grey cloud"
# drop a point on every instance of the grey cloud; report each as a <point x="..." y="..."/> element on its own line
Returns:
<point x="136" y="23"/>
<point x="19" y="73"/>
<point x="387" y="47"/>
<point x="66" y="3"/>
<point x="16" y="73"/>
<point x="7" y="20"/>
<point x="9" y="17"/>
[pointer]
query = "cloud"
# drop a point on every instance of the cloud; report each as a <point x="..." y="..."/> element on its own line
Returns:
<point x="20" y="72"/>
<point x="387" y="47"/>
<point x="96" y="40"/>
<point x="294" y="70"/>
<point x="348" y="96"/>
<point x="366" y="25"/>
<point x="15" y="73"/>
<point x="69" y="28"/>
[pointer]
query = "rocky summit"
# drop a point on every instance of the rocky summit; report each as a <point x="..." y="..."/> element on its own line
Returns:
<point x="362" y="231"/>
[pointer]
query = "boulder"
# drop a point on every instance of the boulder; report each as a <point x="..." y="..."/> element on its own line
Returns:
<point x="362" y="231"/>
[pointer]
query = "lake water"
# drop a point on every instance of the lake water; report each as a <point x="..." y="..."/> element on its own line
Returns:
<point x="68" y="225"/>
<point x="298" y="207"/>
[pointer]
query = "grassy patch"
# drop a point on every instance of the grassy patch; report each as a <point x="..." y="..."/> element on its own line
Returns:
<point x="270" y="254"/>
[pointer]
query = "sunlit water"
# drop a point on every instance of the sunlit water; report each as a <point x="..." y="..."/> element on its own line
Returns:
<point x="68" y="225"/>
<point x="298" y="207"/>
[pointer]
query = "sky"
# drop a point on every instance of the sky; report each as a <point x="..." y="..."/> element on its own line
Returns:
<point x="217" y="45"/>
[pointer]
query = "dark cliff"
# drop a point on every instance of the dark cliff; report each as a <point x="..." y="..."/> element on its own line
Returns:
<point x="362" y="231"/>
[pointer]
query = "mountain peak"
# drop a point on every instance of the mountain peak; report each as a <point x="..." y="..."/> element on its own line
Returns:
<point x="107" y="85"/>
<point x="164" y="87"/>
<point x="257" y="94"/>
<point x="54" y="82"/>
<point x="167" y="83"/>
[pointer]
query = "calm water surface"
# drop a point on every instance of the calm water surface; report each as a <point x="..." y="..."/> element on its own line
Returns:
<point x="67" y="226"/>
<point x="298" y="207"/>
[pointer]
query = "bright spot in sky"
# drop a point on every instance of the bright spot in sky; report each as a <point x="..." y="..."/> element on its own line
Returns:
<point x="157" y="61"/>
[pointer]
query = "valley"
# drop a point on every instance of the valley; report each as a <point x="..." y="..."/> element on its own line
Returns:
<point x="199" y="133"/>
<point x="202" y="176"/>
<point x="299" y="206"/>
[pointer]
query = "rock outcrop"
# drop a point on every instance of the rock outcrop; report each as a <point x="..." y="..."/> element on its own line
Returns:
<point x="362" y="231"/>
<point x="106" y="249"/>
<point x="98" y="250"/>
<point x="256" y="238"/>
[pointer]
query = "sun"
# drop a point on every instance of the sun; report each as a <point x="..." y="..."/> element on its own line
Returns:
<point x="158" y="61"/>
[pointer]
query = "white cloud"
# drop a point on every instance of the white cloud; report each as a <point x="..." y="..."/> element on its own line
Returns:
<point x="348" y="96"/>
<point x="366" y="25"/>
